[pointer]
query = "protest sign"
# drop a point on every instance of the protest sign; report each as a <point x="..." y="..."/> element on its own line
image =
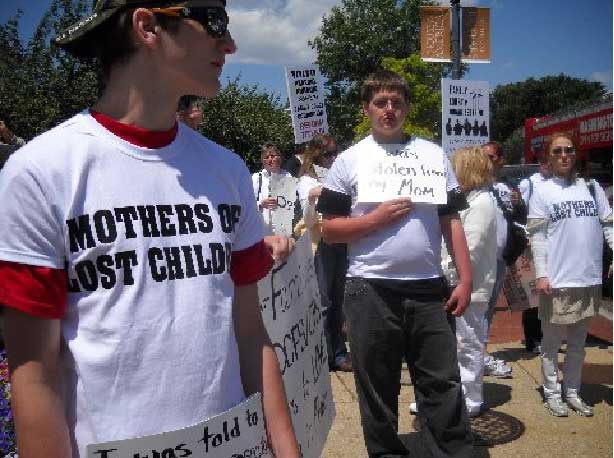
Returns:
<point x="465" y="115"/>
<point x="403" y="171"/>
<point x="283" y="189"/>
<point x="519" y="284"/>
<point x="236" y="433"/>
<point x="306" y="94"/>
<point x="290" y="304"/>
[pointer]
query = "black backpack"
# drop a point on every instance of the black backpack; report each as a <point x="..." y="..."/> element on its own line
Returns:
<point x="517" y="240"/>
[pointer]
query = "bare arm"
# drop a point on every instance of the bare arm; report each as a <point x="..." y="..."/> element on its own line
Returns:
<point x="341" y="229"/>
<point x="454" y="236"/>
<point x="260" y="370"/>
<point x="33" y="350"/>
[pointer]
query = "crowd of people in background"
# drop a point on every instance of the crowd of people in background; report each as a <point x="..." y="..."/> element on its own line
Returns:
<point x="399" y="280"/>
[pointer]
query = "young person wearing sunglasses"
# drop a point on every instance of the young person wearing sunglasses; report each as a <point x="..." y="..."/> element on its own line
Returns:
<point x="567" y="218"/>
<point x="124" y="314"/>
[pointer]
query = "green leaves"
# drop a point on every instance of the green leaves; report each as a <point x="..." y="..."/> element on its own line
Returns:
<point x="355" y="39"/>
<point x="243" y="117"/>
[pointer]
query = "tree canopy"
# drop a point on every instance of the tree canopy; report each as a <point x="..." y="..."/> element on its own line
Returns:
<point x="511" y="104"/>
<point x="243" y="117"/>
<point x="354" y="39"/>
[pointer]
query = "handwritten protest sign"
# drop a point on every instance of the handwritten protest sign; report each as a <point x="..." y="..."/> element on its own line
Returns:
<point x="306" y="94"/>
<point x="283" y="189"/>
<point x="290" y="303"/>
<point x="519" y="284"/>
<point x="402" y="172"/>
<point x="465" y="114"/>
<point x="236" y="433"/>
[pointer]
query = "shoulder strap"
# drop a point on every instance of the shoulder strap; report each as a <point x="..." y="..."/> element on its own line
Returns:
<point x="591" y="189"/>
<point x="259" y="185"/>
<point x="530" y="188"/>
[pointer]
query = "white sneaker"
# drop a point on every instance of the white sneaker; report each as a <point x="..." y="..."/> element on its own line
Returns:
<point x="413" y="408"/>
<point x="556" y="407"/>
<point x="576" y="404"/>
<point x="497" y="368"/>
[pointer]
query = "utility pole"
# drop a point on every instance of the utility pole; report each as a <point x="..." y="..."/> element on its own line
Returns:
<point x="456" y="49"/>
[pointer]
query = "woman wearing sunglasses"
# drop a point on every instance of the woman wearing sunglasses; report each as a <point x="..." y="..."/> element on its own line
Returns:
<point x="123" y="315"/>
<point x="567" y="218"/>
<point x="330" y="258"/>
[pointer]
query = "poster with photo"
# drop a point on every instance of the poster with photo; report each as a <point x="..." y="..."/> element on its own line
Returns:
<point x="465" y="114"/>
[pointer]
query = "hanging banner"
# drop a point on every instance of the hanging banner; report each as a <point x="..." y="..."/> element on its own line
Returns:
<point x="283" y="189"/>
<point x="237" y="432"/>
<point x="465" y="115"/>
<point x="475" y="35"/>
<point x="306" y="94"/>
<point x="292" y="314"/>
<point x="435" y="34"/>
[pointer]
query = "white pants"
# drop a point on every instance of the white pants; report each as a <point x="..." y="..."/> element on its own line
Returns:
<point x="470" y="344"/>
<point x="574" y="357"/>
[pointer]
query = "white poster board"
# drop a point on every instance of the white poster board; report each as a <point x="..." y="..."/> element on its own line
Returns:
<point x="519" y="285"/>
<point x="238" y="432"/>
<point x="283" y="189"/>
<point x="403" y="171"/>
<point x="465" y="114"/>
<point x="290" y="304"/>
<point x="306" y="95"/>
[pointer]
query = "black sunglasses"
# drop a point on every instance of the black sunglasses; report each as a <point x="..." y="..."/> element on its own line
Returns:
<point x="213" y="18"/>
<point x="558" y="150"/>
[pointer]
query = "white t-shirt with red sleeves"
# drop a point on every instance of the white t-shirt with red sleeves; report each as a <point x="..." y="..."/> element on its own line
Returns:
<point x="408" y="249"/>
<point x="145" y="236"/>
<point x="574" y="232"/>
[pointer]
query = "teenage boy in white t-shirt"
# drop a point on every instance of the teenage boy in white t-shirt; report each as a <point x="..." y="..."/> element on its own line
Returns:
<point x="130" y="246"/>
<point x="397" y="305"/>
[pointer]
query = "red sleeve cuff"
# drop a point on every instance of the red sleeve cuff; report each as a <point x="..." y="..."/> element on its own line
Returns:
<point x="35" y="290"/>
<point x="250" y="265"/>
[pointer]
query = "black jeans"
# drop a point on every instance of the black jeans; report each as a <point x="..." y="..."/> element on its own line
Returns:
<point x="331" y="267"/>
<point x="384" y="327"/>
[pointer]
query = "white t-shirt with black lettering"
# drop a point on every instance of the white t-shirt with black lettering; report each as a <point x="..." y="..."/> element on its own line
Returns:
<point x="409" y="249"/>
<point x="145" y="237"/>
<point x="574" y="232"/>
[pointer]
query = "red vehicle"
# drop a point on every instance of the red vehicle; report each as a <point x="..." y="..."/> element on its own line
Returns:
<point x="591" y="127"/>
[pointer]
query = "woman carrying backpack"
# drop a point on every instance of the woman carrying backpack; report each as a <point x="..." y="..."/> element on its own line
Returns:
<point x="566" y="218"/>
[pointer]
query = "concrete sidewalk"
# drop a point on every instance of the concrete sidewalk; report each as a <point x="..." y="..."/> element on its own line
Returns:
<point x="517" y="425"/>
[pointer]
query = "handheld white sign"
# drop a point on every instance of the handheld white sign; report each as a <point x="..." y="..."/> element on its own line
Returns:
<point x="238" y="432"/>
<point x="291" y="309"/>
<point x="402" y="171"/>
<point x="306" y="94"/>
<point x="283" y="189"/>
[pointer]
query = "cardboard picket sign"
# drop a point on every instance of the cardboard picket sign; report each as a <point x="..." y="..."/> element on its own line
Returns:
<point x="283" y="189"/>
<point x="236" y="433"/>
<point x="402" y="171"/>
<point x="291" y="309"/>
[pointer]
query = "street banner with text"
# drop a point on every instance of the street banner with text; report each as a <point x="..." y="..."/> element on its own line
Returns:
<point x="435" y="34"/>
<point x="476" y="35"/>
<point x="403" y="171"/>
<point x="306" y="95"/>
<point x="292" y="313"/>
<point x="238" y="432"/>
<point x="465" y="114"/>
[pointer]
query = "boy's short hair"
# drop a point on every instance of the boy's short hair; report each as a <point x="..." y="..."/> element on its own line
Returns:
<point x="498" y="147"/>
<point x="383" y="80"/>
